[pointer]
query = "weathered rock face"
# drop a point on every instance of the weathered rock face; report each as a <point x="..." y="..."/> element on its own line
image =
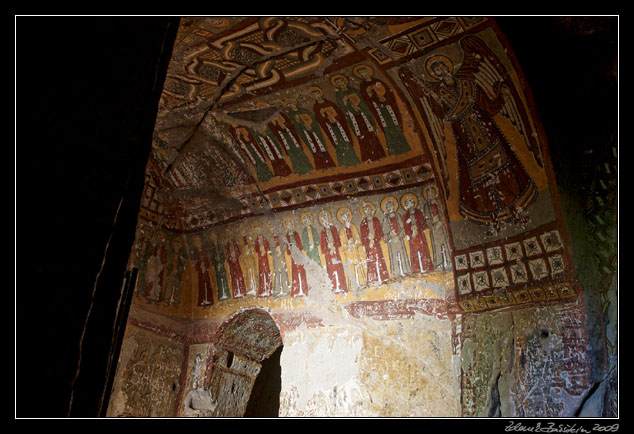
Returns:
<point x="375" y="197"/>
<point x="525" y="363"/>
<point x="150" y="375"/>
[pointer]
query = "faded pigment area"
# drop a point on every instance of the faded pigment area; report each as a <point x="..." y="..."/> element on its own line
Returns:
<point x="374" y="197"/>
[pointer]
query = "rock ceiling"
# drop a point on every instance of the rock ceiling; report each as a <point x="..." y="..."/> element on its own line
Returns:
<point x="234" y="82"/>
<point x="247" y="71"/>
<point x="270" y="122"/>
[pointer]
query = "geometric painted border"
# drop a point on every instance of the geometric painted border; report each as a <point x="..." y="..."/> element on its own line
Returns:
<point x="548" y="293"/>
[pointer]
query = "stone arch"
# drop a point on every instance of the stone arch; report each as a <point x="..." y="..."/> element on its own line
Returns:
<point x="243" y="346"/>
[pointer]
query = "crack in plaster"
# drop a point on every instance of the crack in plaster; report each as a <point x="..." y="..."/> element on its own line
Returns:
<point x="227" y="82"/>
<point x="323" y="302"/>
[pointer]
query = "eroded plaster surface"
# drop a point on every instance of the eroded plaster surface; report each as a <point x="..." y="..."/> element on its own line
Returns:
<point x="375" y="196"/>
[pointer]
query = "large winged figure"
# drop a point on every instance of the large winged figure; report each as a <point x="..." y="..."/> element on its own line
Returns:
<point x="494" y="187"/>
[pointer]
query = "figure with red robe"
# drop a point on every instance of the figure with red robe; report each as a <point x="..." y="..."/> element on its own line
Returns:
<point x="494" y="186"/>
<point x="299" y="283"/>
<point x="232" y="252"/>
<point x="262" y="249"/>
<point x="201" y="265"/>
<point x="330" y="243"/>
<point x="371" y="236"/>
<point x="414" y="226"/>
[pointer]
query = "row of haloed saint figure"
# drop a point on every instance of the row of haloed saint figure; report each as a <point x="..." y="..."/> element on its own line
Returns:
<point x="261" y="263"/>
<point x="357" y="113"/>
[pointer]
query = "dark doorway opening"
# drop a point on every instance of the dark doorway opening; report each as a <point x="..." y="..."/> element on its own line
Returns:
<point x="265" y="394"/>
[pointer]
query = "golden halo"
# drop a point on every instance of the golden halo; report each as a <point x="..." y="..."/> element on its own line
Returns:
<point x="340" y="212"/>
<point x="334" y="77"/>
<point x="357" y="70"/>
<point x="310" y="216"/>
<point x="385" y="200"/>
<point x="316" y="89"/>
<point x="409" y="196"/>
<point x="271" y="226"/>
<point x="426" y="191"/>
<point x="325" y="212"/>
<point x="437" y="58"/>
<point x="256" y="225"/>
<point x="288" y="219"/>
<point x="364" y="204"/>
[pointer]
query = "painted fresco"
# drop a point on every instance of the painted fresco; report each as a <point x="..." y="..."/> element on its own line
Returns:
<point x="361" y="243"/>
<point x="393" y="163"/>
<point x="376" y="162"/>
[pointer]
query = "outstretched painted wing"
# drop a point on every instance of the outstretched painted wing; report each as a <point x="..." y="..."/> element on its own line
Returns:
<point x="421" y="92"/>
<point x="482" y="65"/>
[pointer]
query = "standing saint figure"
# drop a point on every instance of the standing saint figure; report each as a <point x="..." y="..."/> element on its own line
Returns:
<point x="382" y="101"/>
<point x="201" y="265"/>
<point x="493" y="185"/>
<point x="299" y="283"/>
<point x="309" y="131"/>
<point x="351" y="249"/>
<point x="437" y="230"/>
<point x="310" y="238"/>
<point x="252" y="151"/>
<point x="278" y="254"/>
<point x="171" y="291"/>
<point x="394" y="236"/>
<point x="142" y="254"/>
<point x="414" y="226"/>
<point x="232" y="251"/>
<point x="283" y="129"/>
<point x="262" y="249"/>
<point x="249" y="264"/>
<point x="217" y="257"/>
<point x="267" y="142"/>
<point x="155" y="271"/>
<point x="371" y="238"/>
<point x="329" y="244"/>
<point x="359" y="118"/>
<point x="332" y="120"/>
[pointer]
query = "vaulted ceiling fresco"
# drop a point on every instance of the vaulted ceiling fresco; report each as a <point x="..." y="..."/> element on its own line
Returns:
<point x="380" y="181"/>
<point x="292" y="125"/>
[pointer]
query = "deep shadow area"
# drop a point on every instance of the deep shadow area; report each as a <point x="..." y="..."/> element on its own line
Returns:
<point x="265" y="395"/>
<point x="87" y="91"/>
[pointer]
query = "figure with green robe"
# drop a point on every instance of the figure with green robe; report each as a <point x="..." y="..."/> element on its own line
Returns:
<point x="309" y="132"/>
<point x="251" y="150"/>
<point x="217" y="257"/>
<point x="381" y="100"/>
<point x="264" y="138"/>
<point x="359" y="118"/>
<point x="310" y="238"/>
<point x="332" y="121"/>
<point x="282" y="128"/>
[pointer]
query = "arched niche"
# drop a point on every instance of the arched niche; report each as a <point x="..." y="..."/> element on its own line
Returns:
<point x="245" y="367"/>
